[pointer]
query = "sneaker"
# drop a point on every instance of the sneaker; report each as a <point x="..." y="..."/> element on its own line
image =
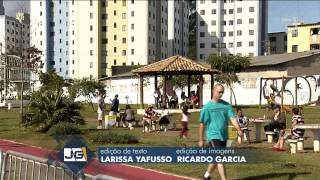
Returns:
<point x="165" y="129"/>
<point x="204" y="178"/>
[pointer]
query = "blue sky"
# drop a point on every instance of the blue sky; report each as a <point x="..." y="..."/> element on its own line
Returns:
<point x="281" y="13"/>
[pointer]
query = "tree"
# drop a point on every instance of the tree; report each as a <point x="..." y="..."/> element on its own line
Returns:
<point x="48" y="108"/>
<point x="49" y="105"/>
<point x="85" y="87"/>
<point x="181" y="81"/>
<point x="229" y="65"/>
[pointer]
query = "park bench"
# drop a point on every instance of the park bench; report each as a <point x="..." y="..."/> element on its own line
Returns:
<point x="245" y="136"/>
<point x="300" y="144"/>
<point x="293" y="145"/>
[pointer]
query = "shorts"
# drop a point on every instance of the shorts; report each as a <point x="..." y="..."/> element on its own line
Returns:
<point x="101" y="116"/>
<point x="217" y="143"/>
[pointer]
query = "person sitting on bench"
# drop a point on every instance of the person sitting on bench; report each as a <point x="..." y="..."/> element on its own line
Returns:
<point x="295" y="133"/>
<point x="278" y="120"/>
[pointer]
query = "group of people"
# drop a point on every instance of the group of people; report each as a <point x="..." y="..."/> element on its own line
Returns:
<point x="214" y="119"/>
<point x="172" y="99"/>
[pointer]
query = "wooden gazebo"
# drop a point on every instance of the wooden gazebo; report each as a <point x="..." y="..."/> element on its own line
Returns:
<point x="175" y="65"/>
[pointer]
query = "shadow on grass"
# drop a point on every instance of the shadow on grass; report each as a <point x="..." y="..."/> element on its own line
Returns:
<point x="273" y="175"/>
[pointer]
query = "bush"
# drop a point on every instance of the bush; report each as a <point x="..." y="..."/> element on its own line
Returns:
<point x="64" y="128"/>
<point x="114" y="138"/>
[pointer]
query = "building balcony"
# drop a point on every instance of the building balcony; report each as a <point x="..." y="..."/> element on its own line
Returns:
<point x="315" y="39"/>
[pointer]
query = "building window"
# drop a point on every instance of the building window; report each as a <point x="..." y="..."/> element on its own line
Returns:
<point x="239" y="44"/>
<point x="213" y="45"/>
<point x="104" y="28"/>
<point x="104" y="41"/>
<point x="223" y="45"/>
<point x="294" y="48"/>
<point x="213" y="22"/>
<point x="114" y="12"/>
<point x="124" y="3"/>
<point x="202" y="45"/>
<point x="230" y="45"/>
<point x="230" y="33"/>
<point x="132" y="1"/>
<point x="124" y="52"/>
<point x="115" y="37"/>
<point x="251" y="9"/>
<point x="223" y="23"/>
<point x="213" y="1"/>
<point x="114" y="62"/>
<point x="132" y="38"/>
<point x="251" y="43"/>
<point x="231" y="22"/>
<point x="132" y="13"/>
<point x="132" y="51"/>
<point x="202" y="56"/>
<point x="202" y="23"/>
<point x="239" y="10"/>
<point x="132" y="26"/>
<point x="230" y="11"/>
<point x="213" y="33"/>
<point x="295" y="33"/>
<point x="40" y="13"/>
<point x="251" y="32"/>
<point x="202" y="1"/>
<point x="90" y="2"/>
<point x="223" y="34"/>
<point x="223" y="11"/>
<point x="239" y="21"/>
<point x="251" y="20"/>
<point x="104" y="16"/>
<point x="91" y="15"/>
<point x="91" y="52"/>
<point x="124" y="15"/>
<point x="124" y="27"/>
<point x="124" y="40"/>
<point x="213" y="11"/>
<point x="91" y="28"/>
<point x="202" y="34"/>
<point x="114" y="49"/>
<point x="202" y="12"/>
<point x="273" y="39"/>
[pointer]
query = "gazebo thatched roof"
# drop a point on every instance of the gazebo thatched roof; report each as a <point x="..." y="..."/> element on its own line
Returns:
<point x="175" y="65"/>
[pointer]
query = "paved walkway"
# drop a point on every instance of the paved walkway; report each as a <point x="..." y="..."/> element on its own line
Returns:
<point x="94" y="167"/>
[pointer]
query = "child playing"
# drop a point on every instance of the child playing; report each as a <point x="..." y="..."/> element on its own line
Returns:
<point x="148" y="113"/>
<point x="164" y="119"/>
<point x="184" y="122"/>
<point x="295" y="133"/>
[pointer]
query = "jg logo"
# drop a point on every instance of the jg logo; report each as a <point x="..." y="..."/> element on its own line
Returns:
<point x="75" y="154"/>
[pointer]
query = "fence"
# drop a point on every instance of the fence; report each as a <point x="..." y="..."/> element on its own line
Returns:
<point x="20" y="166"/>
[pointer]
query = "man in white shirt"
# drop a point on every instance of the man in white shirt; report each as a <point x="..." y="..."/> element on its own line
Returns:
<point x="101" y="107"/>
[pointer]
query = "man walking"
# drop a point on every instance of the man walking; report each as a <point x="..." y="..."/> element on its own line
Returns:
<point x="215" y="116"/>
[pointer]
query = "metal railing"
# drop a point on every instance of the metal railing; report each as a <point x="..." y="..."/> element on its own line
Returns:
<point x="20" y="166"/>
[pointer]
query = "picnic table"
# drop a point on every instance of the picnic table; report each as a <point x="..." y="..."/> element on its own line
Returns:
<point x="258" y="123"/>
<point x="315" y="128"/>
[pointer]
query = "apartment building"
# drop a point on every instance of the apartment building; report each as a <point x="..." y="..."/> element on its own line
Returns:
<point x="277" y="43"/>
<point x="303" y="37"/>
<point x="67" y="34"/>
<point x="86" y="38"/>
<point x="14" y="33"/>
<point x="231" y="27"/>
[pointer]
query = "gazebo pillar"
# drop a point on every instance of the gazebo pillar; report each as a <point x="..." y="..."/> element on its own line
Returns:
<point x="155" y="88"/>
<point x="212" y="85"/>
<point x="141" y="92"/>
<point x="189" y="79"/>
<point x="201" y="92"/>
<point x="164" y="96"/>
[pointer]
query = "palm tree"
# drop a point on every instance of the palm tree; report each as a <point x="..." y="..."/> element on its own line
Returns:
<point x="48" y="108"/>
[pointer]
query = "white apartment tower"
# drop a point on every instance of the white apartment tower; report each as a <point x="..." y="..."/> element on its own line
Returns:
<point x="60" y="29"/>
<point x="86" y="38"/>
<point x="14" y="32"/>
<point x="231" y="27"/>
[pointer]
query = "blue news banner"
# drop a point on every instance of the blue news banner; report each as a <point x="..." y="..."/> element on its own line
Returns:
<point x="169" y="155"/>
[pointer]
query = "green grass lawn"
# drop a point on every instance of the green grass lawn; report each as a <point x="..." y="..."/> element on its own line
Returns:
<point x="271" y="165"/>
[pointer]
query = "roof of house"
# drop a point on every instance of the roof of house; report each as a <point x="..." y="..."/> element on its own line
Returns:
<point x="175" y="65"/>
<point x="281" y="58"/>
